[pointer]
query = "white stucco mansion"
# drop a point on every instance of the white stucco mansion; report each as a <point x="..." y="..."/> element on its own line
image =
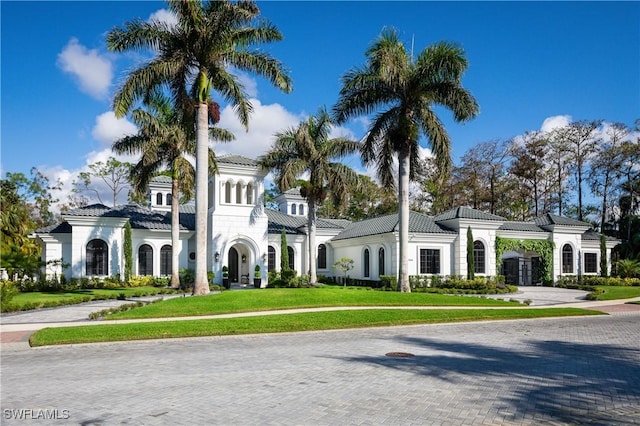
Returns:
<point x="242" y="234"/>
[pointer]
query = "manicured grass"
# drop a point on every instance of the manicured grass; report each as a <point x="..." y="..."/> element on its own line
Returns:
<point x="283" y="323"/>
<point x="618" y="292"/>
<point x="282" y="298"/>
<point x="43" y="299"/>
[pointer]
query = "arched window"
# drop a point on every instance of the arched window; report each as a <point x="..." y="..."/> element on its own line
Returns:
<point x="301" y="209"/>
<point x="271" y="259"/>
<point x="478" y="257"/>
<point x="227" y="192"/>
<point x="168" y="199"/>
<point x="145" y="260"/>
<point x="97" y="258"/>
<point x="165" y="260"/>
<point x="366" y="263"/>
<point x="159" y="199"/>
<point x="238" y="193"/>
<point x="322" y="256"/>
<point x="250" y="194"/>
<point x="293" y="209"/>
<point x="567" y="259"/>
<point x="381" y="270"/>
<point x="291" y="257"/>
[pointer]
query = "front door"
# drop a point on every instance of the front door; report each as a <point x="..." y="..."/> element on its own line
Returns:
<point x="233" y="265"/>
<point x="510" y="269"/>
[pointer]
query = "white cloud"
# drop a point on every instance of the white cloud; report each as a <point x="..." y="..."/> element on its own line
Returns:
<point x="92" y="71"/>
<point x="108" y="128"/>
<point x="264" y="123"/>
<point x="164" y="15"/>
<point x="67" y="177"/>
<point x="250" y="85"/>
<point x="555" y="122"/>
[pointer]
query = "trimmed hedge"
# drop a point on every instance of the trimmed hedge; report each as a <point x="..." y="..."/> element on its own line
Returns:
<point x="589" y="281"/>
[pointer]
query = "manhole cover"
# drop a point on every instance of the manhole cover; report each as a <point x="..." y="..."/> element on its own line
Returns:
<point x="399" y="354"/>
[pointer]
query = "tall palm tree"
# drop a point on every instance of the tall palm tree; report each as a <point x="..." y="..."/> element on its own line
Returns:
<point x="308" y="149"/>
<point x="192" y="59"/>
<point x="163" y="141"/>
<point x="405" y="91"/>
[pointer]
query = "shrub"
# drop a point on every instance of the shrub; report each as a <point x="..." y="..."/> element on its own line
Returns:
<point x="389" y="282"/>
<point x="8" y="290"/>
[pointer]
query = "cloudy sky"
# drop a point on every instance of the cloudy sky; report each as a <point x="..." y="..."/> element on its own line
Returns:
<point x="532" y="65"/>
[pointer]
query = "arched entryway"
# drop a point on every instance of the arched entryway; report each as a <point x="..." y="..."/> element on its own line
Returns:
<point x="239" y="264"/>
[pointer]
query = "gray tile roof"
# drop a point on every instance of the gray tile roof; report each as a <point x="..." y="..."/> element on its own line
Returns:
<point x="140" y="217"/>
<point x="467" y="213"/>
<point x="551" y="219"/>
<point x="279" y="221"/>
<point x="56" y="228"/>
<point x="418" y="223"/>
<point x="161" y="179"/>
<point x="294" y="224"/>
<point x="237" y="160"/>
<point x="521" y="227"/>
<point x="593" y="235"/>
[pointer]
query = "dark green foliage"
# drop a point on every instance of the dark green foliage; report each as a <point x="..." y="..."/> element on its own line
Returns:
<point x="604" y="270"/>
<point x="8" y="290"/>
<point x="128" y="252"/>
<point x="543" y="247"/>
<point x="284" y="253"/>
<point x="470" y="255"/>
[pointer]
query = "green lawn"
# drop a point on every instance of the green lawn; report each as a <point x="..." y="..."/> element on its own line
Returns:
<point x="275" y="299"/>
<point x="43" y="299"/>
<point x="283" y="323"/>
<point x="618" y="292"/>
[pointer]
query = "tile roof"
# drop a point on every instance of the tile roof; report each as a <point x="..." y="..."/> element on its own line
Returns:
<point x="418" y="223"/>
<point x="161" y="179"/>
<point x="593" y="235"/>
<point x="294" y="224"/>
<point x="56" y="228"/>
<point x="237" y="160"/>
<point x="521" y="227"/>
<point x="551" y="219"/>
<point x="140" y="217"/>
<point x="467" y="213"/>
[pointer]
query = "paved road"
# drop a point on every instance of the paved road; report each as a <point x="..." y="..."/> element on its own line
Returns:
<point x="550" y="371"/>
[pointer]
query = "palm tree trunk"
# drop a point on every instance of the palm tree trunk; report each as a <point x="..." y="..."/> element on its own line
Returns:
<point x="311" y="216"/>
<point x="403" y="213"/>
<point x="201" y="286"/>
<point x="175" y="231"/>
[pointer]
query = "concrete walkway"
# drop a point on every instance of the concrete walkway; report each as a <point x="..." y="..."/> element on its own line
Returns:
<point x="15" y="328"/>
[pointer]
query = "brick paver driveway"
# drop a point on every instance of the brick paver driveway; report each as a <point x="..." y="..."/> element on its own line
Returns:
<point x="551" y="371"/>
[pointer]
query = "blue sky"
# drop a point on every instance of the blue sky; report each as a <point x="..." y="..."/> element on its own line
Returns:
<point x="530" y="63"/>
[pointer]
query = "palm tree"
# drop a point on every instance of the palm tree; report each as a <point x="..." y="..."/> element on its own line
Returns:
<point x="163" y="142"/>
<point x="192" y="58"/>
<point x="405" y="92"/>
<point x="308" y="149"/>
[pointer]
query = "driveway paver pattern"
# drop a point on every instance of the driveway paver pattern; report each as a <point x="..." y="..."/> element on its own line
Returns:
<point x="556" y="371"/>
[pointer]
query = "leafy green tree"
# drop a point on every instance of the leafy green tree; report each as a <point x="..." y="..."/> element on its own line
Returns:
<point x="605" y="168"/>
<point x="604" y="264"/>
<point x="164" y="144"/>
<point x="405" y="92"/>
<point x="345" y="264"/>
<point x="128" y="252"/>
<point x="114" y="174"/>
<point x="284" y="252"/>
<point x="365" y="199"/>
<point x="529" y="160"/>
<point x="581" y="142"/>
<point x="19" y="254"/>
<point x="36" y="194"/>
<point x="193" y="58"/>
<point x="308" y="149"/>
